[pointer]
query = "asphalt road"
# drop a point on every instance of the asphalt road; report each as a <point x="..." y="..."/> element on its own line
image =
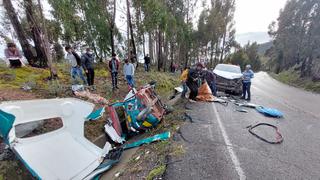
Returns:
<point x="218" y="145"/>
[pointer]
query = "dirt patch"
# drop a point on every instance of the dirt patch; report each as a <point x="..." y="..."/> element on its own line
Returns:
<point x="15" y="94"/>
<point x="45" y="126"/>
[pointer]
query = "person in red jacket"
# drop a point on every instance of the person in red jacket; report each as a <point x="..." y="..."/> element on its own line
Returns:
<point x="114" y="65"/>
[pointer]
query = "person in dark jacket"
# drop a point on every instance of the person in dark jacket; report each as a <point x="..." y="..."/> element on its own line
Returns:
<point x="211" y="80"/>
<point x="75" y="62"/>
<point x="147" y="62"/>
<point x="194" y="80"/>
<point x="88" y="65"/>
<point x="114" y="65"/>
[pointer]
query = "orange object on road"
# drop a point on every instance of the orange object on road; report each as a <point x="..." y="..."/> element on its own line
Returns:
<point x="204" y="93"/>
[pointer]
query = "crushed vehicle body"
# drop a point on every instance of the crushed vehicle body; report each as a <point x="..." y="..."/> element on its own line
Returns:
<point x="228" y="78"/>
<point x="142" y="110"/>
<point x="61" y="154"/>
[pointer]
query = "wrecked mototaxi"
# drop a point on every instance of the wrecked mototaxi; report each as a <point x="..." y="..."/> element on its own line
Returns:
<point x="65" y="153"/>
<point x="142" y="109"/>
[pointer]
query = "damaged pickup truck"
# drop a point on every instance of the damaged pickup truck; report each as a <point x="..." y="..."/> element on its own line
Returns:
<point x="229" y="78"/>
<point x="65" y="153"/>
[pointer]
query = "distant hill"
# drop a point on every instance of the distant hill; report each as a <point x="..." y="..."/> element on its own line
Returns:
<point x="259" y="37"/>
<point x="264" y="47"/>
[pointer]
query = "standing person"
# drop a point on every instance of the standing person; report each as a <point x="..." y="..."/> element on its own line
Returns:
<point x="128" y="71"/>
<point x="246" y="82"/>
<point x="147" y="62"/>
<point x="75" y="62"/>
<point x="114" y="64"/>
<point x="211" y="80"/>
<point x="193" y="79"/>
<point x="13" y="56"/>
<point x="183" y="78"/>
<point x="88" y="66"/>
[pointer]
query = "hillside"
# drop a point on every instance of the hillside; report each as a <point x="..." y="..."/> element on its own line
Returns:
<point x="259" y="37"/>
<point x="264" y="47"/>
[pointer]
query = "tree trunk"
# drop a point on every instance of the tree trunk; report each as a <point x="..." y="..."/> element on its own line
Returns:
<point x="216" y="54"/>
<point x="150" y="46"/>
<point x="131" y="32"/>
<point x="46" y="45"/>
<point x="172" y="51"/>
<point x="112" y="26"/>
<point x="144" y="44"/>
<point x="223" y="46"/>
<point x="159" y="51"/>
<point x="19" y="31"/>
<point x="37" y="34"/>
<point x="166" y="50"/>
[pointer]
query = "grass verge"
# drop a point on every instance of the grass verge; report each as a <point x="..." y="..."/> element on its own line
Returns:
<point x="293" y="78"/>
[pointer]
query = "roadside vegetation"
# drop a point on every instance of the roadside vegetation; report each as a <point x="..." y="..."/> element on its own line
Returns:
<point x="293" y="78"/>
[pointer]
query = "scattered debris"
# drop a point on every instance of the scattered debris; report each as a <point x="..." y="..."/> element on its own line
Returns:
<point x="221" y="101"/>
<point x="279" y="138"/>
<point x="94" y="97"/>
<point x="245" y="104"/>
<point x="26" y="87"/>
<point x="117" y="174"/>
<point x="158" y="137"/>
<point x="241" y="110"/>
<point x="269" y="112"/>
<point x="96" y="114"/>
<point x="137" y="158"/>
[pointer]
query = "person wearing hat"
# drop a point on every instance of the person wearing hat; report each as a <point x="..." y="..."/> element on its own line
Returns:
<point x="194" y="77"/>
<point x="246" y="82"/>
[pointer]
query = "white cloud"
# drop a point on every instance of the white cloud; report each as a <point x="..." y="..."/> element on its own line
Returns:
<point x="256" y="15"/>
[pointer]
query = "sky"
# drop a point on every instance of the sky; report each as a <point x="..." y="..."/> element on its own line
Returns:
<point x="250" y="15"/>
<point x="256" y="15"/>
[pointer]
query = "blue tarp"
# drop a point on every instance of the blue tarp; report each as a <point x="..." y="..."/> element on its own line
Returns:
<point x="6" y="122"/>
<point x="270" y="112"/>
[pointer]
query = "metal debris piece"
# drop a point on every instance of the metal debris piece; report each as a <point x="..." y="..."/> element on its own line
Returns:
<point x="241" y="110"/>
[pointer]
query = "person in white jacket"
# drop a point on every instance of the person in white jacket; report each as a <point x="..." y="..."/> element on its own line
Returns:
<point x="128" y="70"/>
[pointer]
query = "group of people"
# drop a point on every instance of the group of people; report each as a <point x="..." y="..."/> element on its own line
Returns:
<point x="193" y="78"/>
<point x="86" y="62"/>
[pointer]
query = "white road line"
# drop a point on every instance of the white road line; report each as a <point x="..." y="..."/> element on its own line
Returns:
<point x="227" y="141"/>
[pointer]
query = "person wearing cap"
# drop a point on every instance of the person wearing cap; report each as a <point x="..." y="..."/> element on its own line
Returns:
<point x="114" y="65"/>
<point x="88" y="65"/>
<point x="194" y="81"/>
<point x="246" y="82"/>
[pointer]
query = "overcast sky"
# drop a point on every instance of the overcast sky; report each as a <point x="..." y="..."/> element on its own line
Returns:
<point x="256" y="15"/>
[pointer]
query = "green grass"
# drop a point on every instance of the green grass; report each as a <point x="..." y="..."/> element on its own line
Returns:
<point x="158" y="171"/>
<point x="15" y="78"/>
<point x="293" y="78"/>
